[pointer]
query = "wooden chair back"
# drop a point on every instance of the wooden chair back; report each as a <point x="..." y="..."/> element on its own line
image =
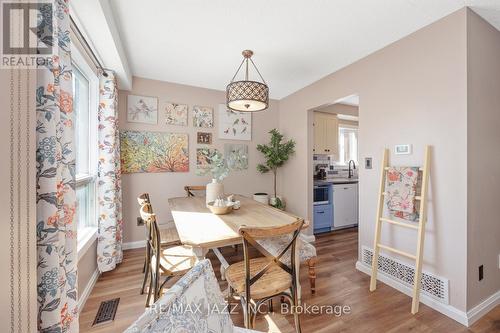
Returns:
<point x="250" y="236"/>
<point x="190" y="189"/>
<point x="153" y="237"/>
<point x="143" y="199"/>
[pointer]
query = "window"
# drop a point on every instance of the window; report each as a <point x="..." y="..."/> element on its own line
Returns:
<point x="85" y="88"/>
<point x="348" y="144"/>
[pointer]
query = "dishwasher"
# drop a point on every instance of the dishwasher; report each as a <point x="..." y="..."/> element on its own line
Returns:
<point x="345" y="205"/>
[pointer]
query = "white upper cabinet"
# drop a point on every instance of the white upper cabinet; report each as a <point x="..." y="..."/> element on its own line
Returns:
<point x="326" y="133"/>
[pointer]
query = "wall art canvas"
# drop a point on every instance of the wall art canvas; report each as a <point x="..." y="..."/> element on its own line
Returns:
<point x="203" y="116"/>
<point x="142" y="109"/>
<point x="236" y="156"/>
<point x="234" y="125"/>
<point x="204" y="138"/>
<point x="204" y="157"/>
<point x="154" y="152"/>
<point x="176" y="114"/>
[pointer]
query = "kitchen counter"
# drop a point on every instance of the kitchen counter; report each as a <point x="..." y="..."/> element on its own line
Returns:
<point x="329" y="181"/>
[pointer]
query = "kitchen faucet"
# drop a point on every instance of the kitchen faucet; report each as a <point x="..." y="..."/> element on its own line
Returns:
<point x="351" y="171"/>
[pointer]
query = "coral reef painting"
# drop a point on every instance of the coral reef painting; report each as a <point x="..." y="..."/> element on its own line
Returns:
<point x="236" y="156"/>
<point x="234" y="125"/>
<point x="154" y="152"/>
<point x="142" y="109"/>
<point x="176" y="114"/>
<point x="203" y="116"/>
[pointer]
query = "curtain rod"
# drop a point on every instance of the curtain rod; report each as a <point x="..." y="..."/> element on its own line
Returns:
<point x="86" y="45"/>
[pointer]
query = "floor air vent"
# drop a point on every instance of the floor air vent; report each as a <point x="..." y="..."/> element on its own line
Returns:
<point x="106" y="312"/>
<point x="434" y="286"/>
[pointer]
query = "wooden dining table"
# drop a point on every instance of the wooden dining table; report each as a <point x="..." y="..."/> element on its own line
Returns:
<point x="199" y="227"/>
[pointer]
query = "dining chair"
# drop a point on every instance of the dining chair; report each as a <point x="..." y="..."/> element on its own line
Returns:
<point x="168" y="236"/>
<point x="192" y="189"/>
<point x="164" y="263"/>
<point x="258" y="280"/>
<point x="306" y="252"/>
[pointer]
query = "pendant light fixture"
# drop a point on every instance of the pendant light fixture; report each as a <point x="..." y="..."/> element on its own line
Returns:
<point x="247" y="95"/>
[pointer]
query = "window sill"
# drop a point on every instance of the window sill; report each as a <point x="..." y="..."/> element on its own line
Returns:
<point x="86" y="238"/>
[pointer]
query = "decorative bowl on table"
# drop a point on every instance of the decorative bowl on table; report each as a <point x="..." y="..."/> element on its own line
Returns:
<point x="220" y="208"/>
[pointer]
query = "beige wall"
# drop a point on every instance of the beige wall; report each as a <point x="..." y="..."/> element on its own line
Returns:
<point x="413" y="91"/>
<point x="483" y="182"/>
<point x="162" y="186"/>
<point x="87" y="265"/>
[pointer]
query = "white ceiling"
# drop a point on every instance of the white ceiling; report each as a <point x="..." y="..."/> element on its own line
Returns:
<point x="296" y="42"/>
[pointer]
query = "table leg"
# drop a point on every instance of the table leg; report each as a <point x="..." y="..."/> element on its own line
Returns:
<point x="223" y="263"/>
<point x="200" y="252"/>
<point x="297" y="277"/>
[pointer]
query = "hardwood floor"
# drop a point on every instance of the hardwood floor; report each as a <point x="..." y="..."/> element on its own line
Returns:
<point x="338" y="282"/>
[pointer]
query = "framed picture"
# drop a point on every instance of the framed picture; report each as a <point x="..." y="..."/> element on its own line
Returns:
<point x="176" y="114"/>
<point x="204" y="138"/>
<point x="204" y="157"/>
<point x="142" y="109"/>
<point x="234" y="125"/>
<point x="236" y="156"/>
<point x="154" y="152"/>
<point x="203" y="116"/>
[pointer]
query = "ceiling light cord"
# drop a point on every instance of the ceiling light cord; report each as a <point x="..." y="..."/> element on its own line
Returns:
<point x="264" y="81"/>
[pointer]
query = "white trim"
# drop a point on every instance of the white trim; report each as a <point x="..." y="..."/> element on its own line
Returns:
<point x="133" y="245"/>
<point x="483" y="308"/>
<point x="82" y="298"/>
<point x="86" y="238"/>
<point x="447" y="310"/>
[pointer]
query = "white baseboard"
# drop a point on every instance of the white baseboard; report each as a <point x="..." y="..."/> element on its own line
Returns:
<point x="133" y="245"/>
<point x="483" y="308"/>
<point x="88" y="289"/>
<point x="445" y="309"/>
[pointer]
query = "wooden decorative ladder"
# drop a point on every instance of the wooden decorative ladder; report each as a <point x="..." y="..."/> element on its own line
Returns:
<point x="419" y="226"/>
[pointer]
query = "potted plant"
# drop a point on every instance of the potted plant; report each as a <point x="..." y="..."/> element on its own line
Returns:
<point x="218" y="170"/>
<point x="276" y="154"/>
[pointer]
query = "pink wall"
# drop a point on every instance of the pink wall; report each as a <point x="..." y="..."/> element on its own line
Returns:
<point x="413" y="91"/>
<point x="162" y="186"/>
<point x="483" y="182"/>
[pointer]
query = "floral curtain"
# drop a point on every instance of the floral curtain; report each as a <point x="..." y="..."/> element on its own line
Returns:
<point x="109" y="246"/>
<point x="56" y="198"/>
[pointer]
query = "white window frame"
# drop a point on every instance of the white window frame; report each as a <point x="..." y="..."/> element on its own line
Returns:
<point x="87" y="235"/>
<point x="357" y="139"/>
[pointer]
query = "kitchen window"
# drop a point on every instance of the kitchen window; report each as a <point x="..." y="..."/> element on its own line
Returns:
<point x="85" y="103"/>
<point x="348" y="144"/>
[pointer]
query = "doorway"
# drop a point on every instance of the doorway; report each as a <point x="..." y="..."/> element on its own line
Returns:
<point x="334" y="163"/>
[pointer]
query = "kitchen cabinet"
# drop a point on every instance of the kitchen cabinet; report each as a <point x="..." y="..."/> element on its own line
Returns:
<point x="326" y="133"/>
<point x="322" y="218"/>
<point x="345" y="204"/>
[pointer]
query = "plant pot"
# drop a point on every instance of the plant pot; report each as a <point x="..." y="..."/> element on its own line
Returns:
<point x="280" y="204"/>
<point x="262" y="198"/>
<point x="214" y="191"/>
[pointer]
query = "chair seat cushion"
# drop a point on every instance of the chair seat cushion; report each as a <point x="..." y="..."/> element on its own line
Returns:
<point x="168" y="233"/>
<point x="273" y="282"/>
<point x="277" y="244"/>
<point x="177" y="259"/>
